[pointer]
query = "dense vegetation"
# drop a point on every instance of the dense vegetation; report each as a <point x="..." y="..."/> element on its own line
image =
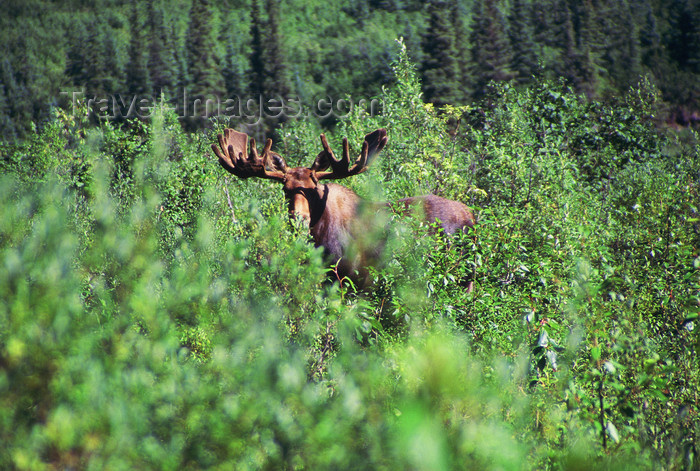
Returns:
<point x="188" y="49"/>
<point x="156" y="314"/>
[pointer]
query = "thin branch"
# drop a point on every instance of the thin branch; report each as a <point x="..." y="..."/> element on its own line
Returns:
<point x="228" y="198"/>
<point x="603" y="433"/>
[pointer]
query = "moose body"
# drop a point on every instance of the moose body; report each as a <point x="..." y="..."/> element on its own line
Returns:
<point x="337" y="217"/>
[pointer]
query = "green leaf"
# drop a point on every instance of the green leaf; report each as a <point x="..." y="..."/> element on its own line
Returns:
<point x="612" y="432"/>
<point x="609" y="367"/>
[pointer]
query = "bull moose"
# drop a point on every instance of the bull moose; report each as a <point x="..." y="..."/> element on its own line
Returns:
<point x="333" y="212"/>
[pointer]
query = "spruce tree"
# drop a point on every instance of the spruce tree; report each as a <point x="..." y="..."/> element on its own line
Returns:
<point x="276" y="81"/>
<point x="233" y="69"/>
<point x="683" y="41"/>
<point x="112" y="78"/>
<point x="521" y="35"/>
<point x="19" y="102"/>
<point x="206" y="79"/>
<point x="440" y="70"/>
<point x="491" y="51"/>
<point x="684" y="35"/>
<point x="269" y="76"/>
<point x="75" y="54"/>
<point x="182" y="77"/>
<point x="161" y="54"/>
<point x="388" y="5"/>
<point x="257" y="53"/>
<point x="541" y="20"/>
<point x="584" y="73"/>
<point x="462" y="51"/>
<point x="560" y="34"/>
<point x="7" y="126"/>
<point x="93" y="57"/>
<point x="8" y="101"/>
<point x="269" y="69"/>
<point x="649" y="39"/>
<point x="620" y="55"/>
<point x="137" y="77"/>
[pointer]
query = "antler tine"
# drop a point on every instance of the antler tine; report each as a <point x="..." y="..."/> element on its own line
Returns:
<point x="362" y="159"/>
<point x="268" y="146"/>
<point x="373" y="143"/>
<point x="233" y="156"/>
<point x="346" y="152"/>
<point x="340" y="166"/>
<point x="254" y="150"/>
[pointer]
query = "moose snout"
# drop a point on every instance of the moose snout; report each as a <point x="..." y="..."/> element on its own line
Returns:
<point x="299" y="207"/>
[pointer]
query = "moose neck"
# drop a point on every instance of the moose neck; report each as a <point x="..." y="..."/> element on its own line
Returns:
<point x="332" y="211"/>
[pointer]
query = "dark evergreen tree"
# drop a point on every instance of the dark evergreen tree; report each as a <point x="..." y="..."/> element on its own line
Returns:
<point x="462" y="51"/>
<point x="681" y="75"/>
<point x="94" y="58"/>
<point x="19" y="103"/>
<point x="9" y="101"/>
<point x="388" y="5"/>
<point x="257" y="53"/>
<point x="7" y="125"/>
<point x="112" y="77"/>
<point x="233" y="70"/>
<point x="586" y="30"/>
<point x="138" y="80"/>
<point x="649" y="38"/>
<point x="276" y="80"/>
<point x="269" y="69"/>
<point x="161" y="53"/>
<point x="491" y="51"/>
<point x="91" y="58"/>
<point x="684" y="35"/>
<point x="541" y="20"/>
<point x="586" y="72"/>
<point x="620" y="55"/>
<point x="574" y="62"/>
<point x="182" y="77"/>
<point x="269" y="73"/>
<point x="561" y="35"/>
<point x="206" y="79"/>
<point x="440" y="70"/>
<point x="76" y="62"/>
<point x="520" y="31"/>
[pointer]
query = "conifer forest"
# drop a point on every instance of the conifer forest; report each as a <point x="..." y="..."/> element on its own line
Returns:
<point x="160" y="312"/>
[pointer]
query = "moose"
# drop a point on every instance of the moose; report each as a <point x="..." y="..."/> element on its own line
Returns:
<point x="336" y="216"/>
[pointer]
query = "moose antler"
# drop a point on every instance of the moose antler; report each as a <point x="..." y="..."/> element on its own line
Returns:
<point x="373" y="144"/>
<point x="233" y="156"/>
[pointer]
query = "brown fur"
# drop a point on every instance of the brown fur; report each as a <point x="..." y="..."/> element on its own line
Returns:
<point x="336" y="222"/>
<point x="453" y="215"/>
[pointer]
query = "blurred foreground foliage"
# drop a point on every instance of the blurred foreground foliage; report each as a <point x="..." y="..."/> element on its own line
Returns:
<point x="156" y="315"/>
